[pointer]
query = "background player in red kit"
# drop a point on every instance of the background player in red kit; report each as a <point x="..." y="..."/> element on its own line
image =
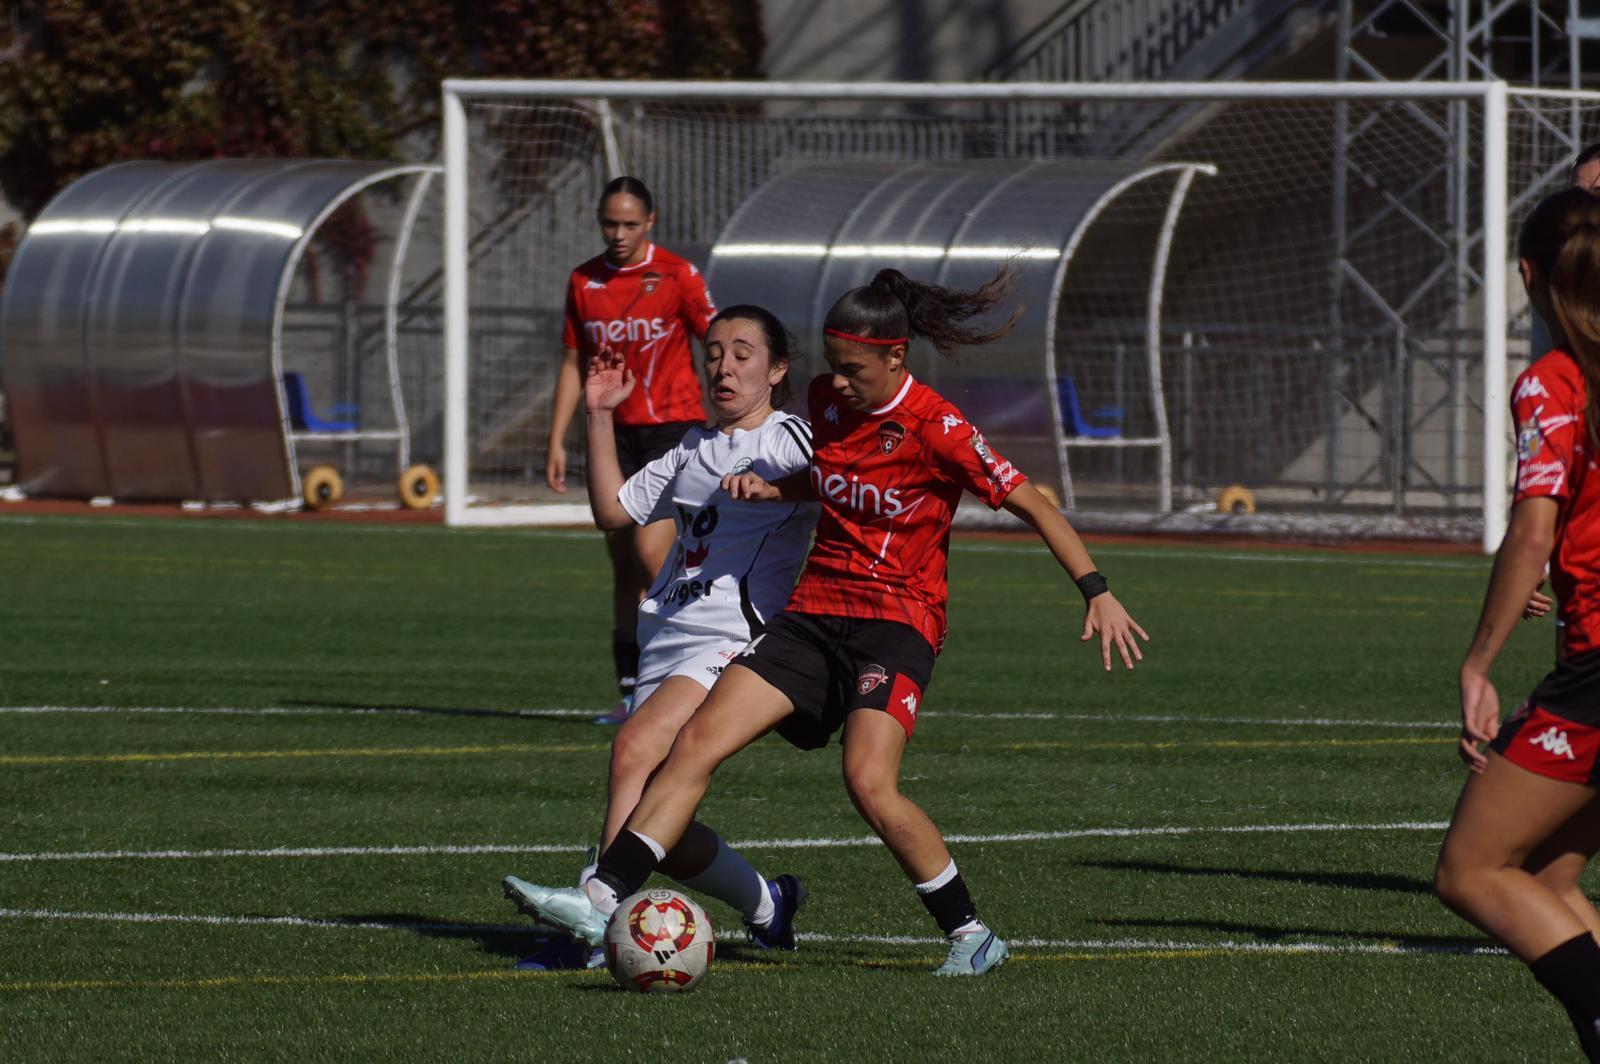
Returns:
<point x="855" y="648"/>
<point x="645" y="302"/>
<point x="1527" y="822"/>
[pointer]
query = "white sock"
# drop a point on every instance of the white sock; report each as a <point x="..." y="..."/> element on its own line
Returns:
<point x="939" y="880"/>
<point x="730" y="878"/>
<point x="602" y="897"/>
<point x="587" y="874"/>
<point x="968" y="928"/>
<point x="655" y="847"/>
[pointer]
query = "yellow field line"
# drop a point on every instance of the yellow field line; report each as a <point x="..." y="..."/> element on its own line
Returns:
<point x="225" y="982"/>
<point x="574" y="748"/>
<point x="347" y="751"/>
<point x="1227" y="744"/>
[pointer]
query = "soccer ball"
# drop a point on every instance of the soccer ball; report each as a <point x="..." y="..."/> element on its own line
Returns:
<point x="659" y="942"/>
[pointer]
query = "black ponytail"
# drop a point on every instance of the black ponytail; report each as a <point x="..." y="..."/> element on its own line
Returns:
<point x="894" y="305"/>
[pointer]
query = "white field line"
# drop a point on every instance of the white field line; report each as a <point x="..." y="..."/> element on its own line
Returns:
<point x="1108" y="718"/>
<point x="744" y="844"/>
<point x="1086" y="945"/>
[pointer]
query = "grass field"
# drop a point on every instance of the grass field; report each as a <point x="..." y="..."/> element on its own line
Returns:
<point x="259" y="782"/>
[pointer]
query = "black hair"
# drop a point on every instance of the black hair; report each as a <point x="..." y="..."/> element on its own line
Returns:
<point x="1544" y="241"/>
<point x="894" y="305"/>
<point x="629" y="186"/>
<point x="1587" y="155"/>
<point x="781" y="345"/>
<point x="1551" y="221"/>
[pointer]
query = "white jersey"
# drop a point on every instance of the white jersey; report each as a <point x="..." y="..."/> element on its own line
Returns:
<point x="734" y="563"/>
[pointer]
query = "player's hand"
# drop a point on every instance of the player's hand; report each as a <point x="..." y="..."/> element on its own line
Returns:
<point x="555" y="467"/>
<point x="1538" y="605"/>
<point x="608" y="380"/>
<point x="1480" y="718"/>
<point x="749" y="487"/>
<point x="1106" y="617"/>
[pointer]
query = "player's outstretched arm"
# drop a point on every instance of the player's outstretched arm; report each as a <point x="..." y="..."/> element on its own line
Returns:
<point x="752" y="487"/>
<point x="1104" y="615"/>
<point x="608" y="382"/>
<point x="1518" y="571"/>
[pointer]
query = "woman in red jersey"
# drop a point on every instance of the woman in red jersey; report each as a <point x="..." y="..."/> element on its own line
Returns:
<point x="1527" y="823"/>
<point x="647" y="303"/>
<point x="855" y="647"/>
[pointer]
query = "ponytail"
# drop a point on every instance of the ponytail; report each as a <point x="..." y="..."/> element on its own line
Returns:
<point x="894" y="306"/>
<point x="1574" y="282"/>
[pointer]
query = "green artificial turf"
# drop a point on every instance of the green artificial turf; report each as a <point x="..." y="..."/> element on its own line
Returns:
<point x="1211" y="858"/>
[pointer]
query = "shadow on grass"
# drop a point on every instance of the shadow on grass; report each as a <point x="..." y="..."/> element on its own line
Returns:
<point x="1268" y="933"/>
<point x="556" y="716"/>
<point x="1354" y="880"/>
<point x="503" y="940"/>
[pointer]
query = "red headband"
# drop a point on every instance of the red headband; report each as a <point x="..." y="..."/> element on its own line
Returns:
<point x="888" y="341"/>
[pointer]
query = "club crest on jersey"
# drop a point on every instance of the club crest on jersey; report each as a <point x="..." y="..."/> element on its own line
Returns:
<point x="981" y="445"/>
<point x="1529" y="438"/>
<point x="872" y="677"/>
<point x="649" y="281"/>
<point x="742" y="464"/>
<point x="890" y="433"/>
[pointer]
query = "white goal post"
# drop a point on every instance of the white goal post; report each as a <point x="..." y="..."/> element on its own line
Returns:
<point x="1337" y="308"/>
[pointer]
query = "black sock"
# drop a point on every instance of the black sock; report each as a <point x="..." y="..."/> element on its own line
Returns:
<point x="626" y="864"/>
<point x="625" y="657"/>
<point x="1571" y="973"/>
<point x="950" y="905"/>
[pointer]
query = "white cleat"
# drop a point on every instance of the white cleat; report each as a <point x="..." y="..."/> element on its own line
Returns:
<point x="568" y="908"/>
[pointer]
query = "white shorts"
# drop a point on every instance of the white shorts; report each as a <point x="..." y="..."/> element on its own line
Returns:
<point x="669" y="652"/>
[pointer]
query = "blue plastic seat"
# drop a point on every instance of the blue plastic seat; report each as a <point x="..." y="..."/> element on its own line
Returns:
<point x="1078" y="425"/>
<point x="303" y="418"/>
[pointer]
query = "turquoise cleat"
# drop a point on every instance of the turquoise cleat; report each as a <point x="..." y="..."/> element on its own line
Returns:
<point x="568" y="908"/>
<point x="974" y="953"/>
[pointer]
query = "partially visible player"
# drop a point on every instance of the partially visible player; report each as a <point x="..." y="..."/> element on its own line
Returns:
<point x="1527" y="822"/>
<point x="1584" y="174"/>
<point x="646" y="303"/>
<point x="856" y="646"/>
<point x="731" y="570"/>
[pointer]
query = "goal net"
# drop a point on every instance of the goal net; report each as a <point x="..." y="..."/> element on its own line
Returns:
<point x="1324" y="315"/>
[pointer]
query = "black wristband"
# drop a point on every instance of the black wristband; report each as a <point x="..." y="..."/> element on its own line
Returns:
<point x="1092" y="584"/>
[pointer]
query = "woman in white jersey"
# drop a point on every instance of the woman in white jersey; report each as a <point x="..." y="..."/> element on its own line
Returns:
<point x="731" y="568"/>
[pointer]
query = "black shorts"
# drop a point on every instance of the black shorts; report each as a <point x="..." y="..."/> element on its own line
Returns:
<point x="831" y="666"/>
<point x="639" y="445"/>
<point x="1556" y="732"/>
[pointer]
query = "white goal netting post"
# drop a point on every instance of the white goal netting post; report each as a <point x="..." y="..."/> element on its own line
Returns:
<point x="1329" y="331"/>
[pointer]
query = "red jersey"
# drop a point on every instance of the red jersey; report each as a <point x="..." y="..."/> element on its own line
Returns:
<point x="646" y="311"/>
<point x="1553" y="461"/>
<point x="889" y="480"/>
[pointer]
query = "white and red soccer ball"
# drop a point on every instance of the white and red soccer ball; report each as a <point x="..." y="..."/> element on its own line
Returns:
<point x="659" y="942"/>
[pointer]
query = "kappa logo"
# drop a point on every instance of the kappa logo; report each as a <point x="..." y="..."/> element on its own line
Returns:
<point x="832" y="413"/>
<point x="872" y="677"/>
<point x="910" y="702"/>
<point x="1553" y="740"/>
<point x="949" y="421"/>
<point x="890" y="435"/>
<point x="1530" y="388"/>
